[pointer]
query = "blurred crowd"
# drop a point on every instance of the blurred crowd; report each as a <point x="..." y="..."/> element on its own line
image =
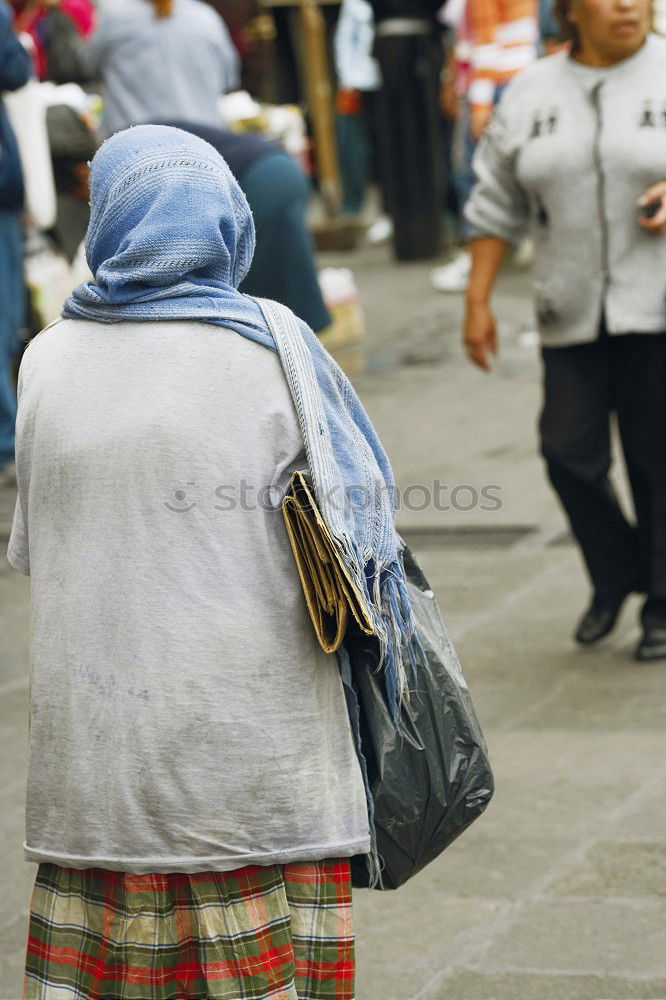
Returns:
<point x="415" y="83"/>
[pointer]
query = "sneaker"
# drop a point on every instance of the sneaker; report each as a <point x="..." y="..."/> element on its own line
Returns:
<point x="454" y="276"/>
<point x="380" y="230"/>
<point x="652" y="645"/>
<point x="523" y="255"/>
<point x="599" y="619"/>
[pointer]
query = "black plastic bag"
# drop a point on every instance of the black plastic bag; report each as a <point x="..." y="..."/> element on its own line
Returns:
<point x="431" y="778"/>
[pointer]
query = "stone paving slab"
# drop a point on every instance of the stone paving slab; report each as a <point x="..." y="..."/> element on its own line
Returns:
<point x="7" y="498"/>
<point x="631" y="869"/>
<point x="404" y="937"/>
<point x="580" y="706"/>
<point x="483" y="865"/>
<point x="14" y="618"/>
<point x="16" y="888"/>
<point x="13" y="743"/>
<point x="618" y="937"/>
<point x="545" y="986"/>
<point x="647" y="820"/>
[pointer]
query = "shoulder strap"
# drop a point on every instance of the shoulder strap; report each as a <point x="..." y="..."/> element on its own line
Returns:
<point x="299" y="368"/>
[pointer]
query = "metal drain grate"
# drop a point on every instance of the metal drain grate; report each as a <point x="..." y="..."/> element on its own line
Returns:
<point x="467" y="536"/>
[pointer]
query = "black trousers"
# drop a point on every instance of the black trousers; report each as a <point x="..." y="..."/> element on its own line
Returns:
<point x="410" y="142"/>
<point x="584" y="384"/>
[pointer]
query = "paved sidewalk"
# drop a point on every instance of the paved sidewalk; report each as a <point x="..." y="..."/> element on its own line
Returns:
<point x="559" y="891"/>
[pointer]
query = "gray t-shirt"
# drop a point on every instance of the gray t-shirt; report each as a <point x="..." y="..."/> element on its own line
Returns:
<point x="183" y="716"/>
<point x="157" y="68"/>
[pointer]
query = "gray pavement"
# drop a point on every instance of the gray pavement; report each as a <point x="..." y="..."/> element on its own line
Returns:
<point x="559" y="891"/>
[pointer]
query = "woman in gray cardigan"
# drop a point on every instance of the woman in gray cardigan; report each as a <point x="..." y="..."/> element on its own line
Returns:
<point x="577" y="151"/>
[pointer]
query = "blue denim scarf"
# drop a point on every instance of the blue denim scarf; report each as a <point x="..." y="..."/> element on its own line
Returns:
<point x="171" y="237"/>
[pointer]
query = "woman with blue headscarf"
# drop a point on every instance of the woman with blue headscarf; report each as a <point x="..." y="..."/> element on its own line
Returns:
<point x="194" y="796"/>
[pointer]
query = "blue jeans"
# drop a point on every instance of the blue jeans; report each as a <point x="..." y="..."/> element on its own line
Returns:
<point x="11" y="321"/>
<point x="464" y="176"/>
<point x="354" y="156"/>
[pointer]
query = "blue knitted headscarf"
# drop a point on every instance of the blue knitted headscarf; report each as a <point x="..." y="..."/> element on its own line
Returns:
<point x="171" y="234"/>
<point x="171" y="237"/>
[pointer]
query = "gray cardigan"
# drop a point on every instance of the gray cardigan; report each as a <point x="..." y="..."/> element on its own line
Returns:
<point x="569" y="151"/>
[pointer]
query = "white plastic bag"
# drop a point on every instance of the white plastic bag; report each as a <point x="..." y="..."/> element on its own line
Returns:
<point x="27" y="113"/>
<point x="49" y="276"/>
<point x="340" y="293"/>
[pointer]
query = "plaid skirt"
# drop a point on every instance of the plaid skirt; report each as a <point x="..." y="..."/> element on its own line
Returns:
<point x="282" y="932"/>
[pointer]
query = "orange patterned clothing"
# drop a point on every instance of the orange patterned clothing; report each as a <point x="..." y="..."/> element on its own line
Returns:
<point x="504" y="35"/>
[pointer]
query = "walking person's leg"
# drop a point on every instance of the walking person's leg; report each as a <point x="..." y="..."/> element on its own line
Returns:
<point x="639" y="368"/>
<point x="418" y="226"/>
<point x="454" y="276"/>
<point x="411" y="143"/>
<point x="376" y="165"/>
<point x="388" y="131"/>
<point x="11" y="318"/>
<point x="575" y="442"/>
<point x="353" y="150"/>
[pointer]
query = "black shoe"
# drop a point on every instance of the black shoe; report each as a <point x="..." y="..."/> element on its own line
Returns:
<point x="653" y="644"/>
<point x="599" y="619"/>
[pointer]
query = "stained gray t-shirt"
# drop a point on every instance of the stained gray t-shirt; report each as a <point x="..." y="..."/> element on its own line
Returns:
<point x="183" y="716"/>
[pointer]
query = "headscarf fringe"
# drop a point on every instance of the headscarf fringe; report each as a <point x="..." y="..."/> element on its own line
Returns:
<point x="390" y="607"/>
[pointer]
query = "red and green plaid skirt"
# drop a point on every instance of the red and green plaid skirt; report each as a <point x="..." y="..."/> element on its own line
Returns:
<point x="277" y="933"/>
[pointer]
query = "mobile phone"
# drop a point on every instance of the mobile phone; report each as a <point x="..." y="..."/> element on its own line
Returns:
<point x="650" y="210"/>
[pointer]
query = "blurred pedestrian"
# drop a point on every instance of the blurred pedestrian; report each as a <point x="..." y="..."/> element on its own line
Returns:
<point x="161" y="59"/>
<point x="502" y="39"/>
<point x="550" y="30"/>
<point x="410" y="56"/>
<point x="15" y="71"/>
<point x="191" y="759"/>
<point x="51" y="24"/>
<point x="577" y="150"/>
<point x="504" y="43"/>
<point x="252" y="29"/>
<point x="450" y="108"/>
<point x="358" y="80"/>
<point x="278" y="193"/>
